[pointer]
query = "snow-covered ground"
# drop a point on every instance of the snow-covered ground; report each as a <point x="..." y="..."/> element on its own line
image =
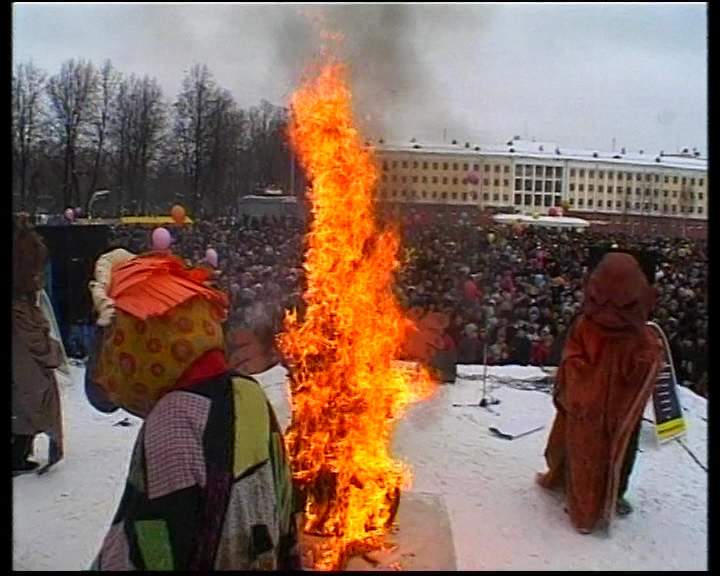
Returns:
<point x="500" y="519"/>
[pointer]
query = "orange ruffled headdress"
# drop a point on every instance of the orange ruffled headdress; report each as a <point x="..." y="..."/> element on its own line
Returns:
<point x="167" y="321"/>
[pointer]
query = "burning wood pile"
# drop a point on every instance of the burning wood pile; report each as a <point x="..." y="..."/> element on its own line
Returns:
<point x="347" y="390"/>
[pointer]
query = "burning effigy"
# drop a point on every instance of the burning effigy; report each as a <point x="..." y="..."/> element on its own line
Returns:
<point x="347" y="389"/>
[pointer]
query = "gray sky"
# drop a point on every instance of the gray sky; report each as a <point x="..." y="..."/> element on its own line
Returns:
<point x="575" y="74"/>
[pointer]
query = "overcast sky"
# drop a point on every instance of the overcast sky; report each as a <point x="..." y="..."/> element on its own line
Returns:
<point x="575" y="74"/>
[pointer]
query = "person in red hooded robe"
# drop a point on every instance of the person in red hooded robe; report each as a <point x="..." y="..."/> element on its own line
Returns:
<point x="606" y="376"/>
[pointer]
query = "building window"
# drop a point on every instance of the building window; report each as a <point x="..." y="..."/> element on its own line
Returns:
<point x="435" y="165"/>
<point x="434" y="195"/>
<point x="404" y="193"/>
<point x="443" y="195"/>
<point x="505" y="198"/>
<point x="675" y="179"/>
<point x="403" y="178"/>
<point x="486" y="182"/>
<point x="548" y="172"/>
<point x="655" y="207"/>
<point x="572" y="172"/>
<point x="558" y="172"/>
<point x="674" y="194"/>
<point x="648" y="177"/>
<point x="700" y="182"/>
<point x="581" y="187"/>
<point x="527" y="201"/>
<point x="444" y="180"/>
<point x="434" y="180"/>
<point x="581" y="201"/>
<point x="486" y="196"/>
<point x="518" y="170"/>
<point x="415" y="164"/>
<point x="538" y="185"/>
<point x="454" y="195"/>
<point x="424" y="194"/>
<point x="445" y="165"/>
<point x="665" y="208"/>
<point x="572" y="186"/>
<point x="455" y="180"/>
<point x="591" y="173"/>
<point x="464" y="196"/>
<point x="700" y="196"/>
<point x="383" y="193"/>
<point x="496" y="197"/>
<point x="384" y="177"/>
<point x="455" y="166"/>
<point x="582" y="172"/>
<point x="692" y="181"/>
<point x="518" y="184"/>
<point x="674" y="208"/>
<point x="538" y="200"/>
<point x="601" y="174"/>
<point x="638" y="177"/>
<point x="424" y="179"/>
<point x="667" y="179"/>
<point x="647" y="191"/>
<point x="425" y="165"/>
<point x="572" y="201"/>
<point x="600" y="188"/>
<point x="684" y="181"/>
<point x="600" y="204"/>
<point x="548" y="186"/>
<point x="385" y="165"/>
<point x="415" y="179"/>
<point x="393" y="178"/>
<point x="665" y="193"/>
<point x="637" y="205"/>
<point x="497" y="168"/>
<point x="517" y="199"/>
<point x="496" y="182"/>
<point x="628" y="190"/>
<point x="558" y="186"/>
<point x="394" y="164"/>
<point x="591" y="187"/>
<point x="610" y="174"/>
<point x="506" y="169"/>
<point x="404" y="164"/>
<point x="657" y="178"/>
<point x="590" y="202"/>
<point x="547" y="201"/>
<point x="620" y="176"/>
<point x="394" y="193"/>
<point x="618" y="204"/>
<point x="558" y="200"/>
<point x="487" y="167"/>
<point x="637" y="191"/>
<point x="506" y="183"/>
<point x="528" y="185"/>
<point x="610" y="190"/>
<point x="474" y="196"/>
<point x="656" y="192"/>
<point x="465" y="166"/>
<point x="700" y="209"/>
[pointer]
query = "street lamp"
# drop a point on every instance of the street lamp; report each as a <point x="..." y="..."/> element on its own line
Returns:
<point x="95" y="196"/>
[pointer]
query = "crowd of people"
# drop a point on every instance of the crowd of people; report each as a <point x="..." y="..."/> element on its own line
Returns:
<point x="510" y="293"/>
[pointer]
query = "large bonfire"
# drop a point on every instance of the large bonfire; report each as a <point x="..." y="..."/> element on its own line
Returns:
<point x="347" y="390"/>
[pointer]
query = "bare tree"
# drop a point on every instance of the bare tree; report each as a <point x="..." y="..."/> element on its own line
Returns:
<point x="136" y="132"/>
<point x="192" y="110"/>
<point x="107" y="84"/>
<point x="72" y="93"/>
<point x="28" y="83"/>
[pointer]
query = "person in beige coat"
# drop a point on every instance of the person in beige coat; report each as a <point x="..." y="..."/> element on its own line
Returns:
<point x="35" y="355"/>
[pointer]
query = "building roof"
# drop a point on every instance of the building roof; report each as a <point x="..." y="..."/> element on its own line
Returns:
<point x="551" y="151"/>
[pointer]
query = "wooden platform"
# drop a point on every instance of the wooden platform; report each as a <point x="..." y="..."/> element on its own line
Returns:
<point x="421" y="539"/>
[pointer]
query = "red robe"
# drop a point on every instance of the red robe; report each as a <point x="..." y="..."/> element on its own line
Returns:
<point x="607" y="374"/>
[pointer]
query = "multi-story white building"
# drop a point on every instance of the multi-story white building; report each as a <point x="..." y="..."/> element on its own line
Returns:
<point x="532" y="177"/>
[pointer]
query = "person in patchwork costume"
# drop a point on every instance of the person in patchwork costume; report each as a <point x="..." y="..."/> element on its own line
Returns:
<point x="209" y="485"/>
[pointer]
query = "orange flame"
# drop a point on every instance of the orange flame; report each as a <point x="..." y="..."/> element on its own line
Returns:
<point x="347" y="391"/>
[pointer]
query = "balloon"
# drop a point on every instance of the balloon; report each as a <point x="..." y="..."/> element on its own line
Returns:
<point x="211" y="257"/>
<point x="552" y="212"/>
<point x="178" y="214"/>
<point x="69" y="214"/>
<point x="161" y="239"/>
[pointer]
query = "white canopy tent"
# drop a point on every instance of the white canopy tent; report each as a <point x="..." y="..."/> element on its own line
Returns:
<point x="542" y="221"/>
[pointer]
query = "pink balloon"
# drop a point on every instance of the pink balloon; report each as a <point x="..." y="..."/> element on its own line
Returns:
<point x="161" y="239"/>
<point x="211" y="257"/>
<point x="69" y="214"/>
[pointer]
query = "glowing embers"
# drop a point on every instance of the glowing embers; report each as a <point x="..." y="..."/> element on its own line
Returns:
<point x="346" y="389"/>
